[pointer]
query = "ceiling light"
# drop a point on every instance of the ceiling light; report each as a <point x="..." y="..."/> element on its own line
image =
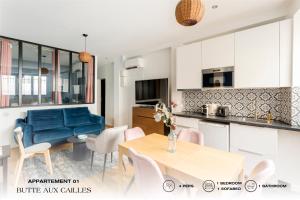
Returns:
<point x="189" y="12"/>
<point x="85" y="56"/>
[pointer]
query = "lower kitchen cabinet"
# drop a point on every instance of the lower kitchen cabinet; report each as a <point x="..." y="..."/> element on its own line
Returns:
<point x="185" y="123"/>
<point x="216" y="135"/>
<point x="255" y="143"/>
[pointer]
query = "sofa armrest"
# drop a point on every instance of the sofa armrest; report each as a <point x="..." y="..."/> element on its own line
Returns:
<point x="27" y="132"/>
<point x="97" y="119"/>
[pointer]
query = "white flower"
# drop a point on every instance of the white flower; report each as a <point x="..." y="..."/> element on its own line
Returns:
<point x="156" y="107"/>
<point x="157" y="117"/>
<point x="165" y="110"/>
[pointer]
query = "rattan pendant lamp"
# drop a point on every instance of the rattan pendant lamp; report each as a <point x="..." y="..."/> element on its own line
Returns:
<point x="189" y="12"/>
<point x="85" y="56"/>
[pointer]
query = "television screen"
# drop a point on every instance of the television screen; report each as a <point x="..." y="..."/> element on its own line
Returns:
<point x="150" y="92"/>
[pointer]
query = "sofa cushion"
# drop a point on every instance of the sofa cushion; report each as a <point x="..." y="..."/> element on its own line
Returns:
<point x="45" y="119"/>
<point x="52" y="134"/>
<point x="74" y="117"/>
<point x="88" y="129"/>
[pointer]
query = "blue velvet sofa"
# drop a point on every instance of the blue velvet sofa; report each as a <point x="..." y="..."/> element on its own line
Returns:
<point x="56" y="125"/>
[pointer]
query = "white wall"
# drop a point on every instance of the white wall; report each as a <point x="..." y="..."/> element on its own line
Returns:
<point x="106" y="72"/>
<point x="294" y="7"/>
<point x="118" y="65"/>
<point x="157" y="65"/>
<point x="8" y="116"/>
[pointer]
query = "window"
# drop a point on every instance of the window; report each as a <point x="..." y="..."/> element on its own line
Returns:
<point x="33" y="74"/>
<point x="30" y="74"/>
<point x="64" y="69"/>
<point x="9" y="71"/>
<point x="78" y="80"/>
<point x="48" y="82"/>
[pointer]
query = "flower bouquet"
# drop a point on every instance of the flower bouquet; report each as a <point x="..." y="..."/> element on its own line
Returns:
<point x="164" y="114"/>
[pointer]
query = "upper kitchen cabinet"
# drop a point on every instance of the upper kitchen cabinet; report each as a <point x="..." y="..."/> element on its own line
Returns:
<point x="188" y="66"/>
<point x="286" y="53"/>
<point x="257" y="57"/>
<point x="218" y="52"/>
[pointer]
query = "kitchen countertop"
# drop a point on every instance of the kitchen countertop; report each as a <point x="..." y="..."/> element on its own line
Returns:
<point x="240" y="120"/>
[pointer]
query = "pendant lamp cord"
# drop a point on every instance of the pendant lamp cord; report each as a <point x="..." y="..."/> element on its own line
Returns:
<point x="85" y="45"/>
<point x="85" y="36"/>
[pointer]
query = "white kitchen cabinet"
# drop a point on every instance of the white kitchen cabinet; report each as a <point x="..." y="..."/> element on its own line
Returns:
<point x="188" y="66"/>
<point x="288" y="158"/>
<point x="257" y="57"/>
<point x="218" y="52"/>
<point x="255" y="143"/>
<point x="286" y="53"/>
<point x="185" y="123"/>
<point x="216" y="135"/>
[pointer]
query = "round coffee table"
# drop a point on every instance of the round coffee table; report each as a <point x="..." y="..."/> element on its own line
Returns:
<point x="80" y="151"/>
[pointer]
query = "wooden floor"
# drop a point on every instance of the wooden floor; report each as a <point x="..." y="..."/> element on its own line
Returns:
<point x="114" y="183"/>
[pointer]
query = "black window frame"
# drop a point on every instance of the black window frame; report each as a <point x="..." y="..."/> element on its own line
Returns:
<point x="20" y="66"/>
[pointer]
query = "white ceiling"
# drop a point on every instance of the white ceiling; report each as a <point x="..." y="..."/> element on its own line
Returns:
<point x="116" y="27"/>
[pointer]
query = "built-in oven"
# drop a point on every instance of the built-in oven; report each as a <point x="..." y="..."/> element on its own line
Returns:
<point x="218" y="77"/>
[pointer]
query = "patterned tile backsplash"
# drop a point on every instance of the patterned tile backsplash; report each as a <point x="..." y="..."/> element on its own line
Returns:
<point x="242" y="102"/>
<point x="295" y="109"/>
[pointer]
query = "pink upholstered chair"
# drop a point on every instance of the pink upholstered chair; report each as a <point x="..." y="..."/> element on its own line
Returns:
<point x="134" y="133"/>
<point x="148" y="177"/>
<point x="191" y="135"/>
<point x="262" y="172"/>
<point x="131" y="134"/>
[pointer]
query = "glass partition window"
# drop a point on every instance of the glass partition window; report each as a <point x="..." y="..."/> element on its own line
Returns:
<point x="33" y="74"/>
<point x="64" y="70"/>
<point x="30" y="74"/>
<point x="9" y="71"/>
<point x="78" y="80"/>
<point x="48" y="83"/>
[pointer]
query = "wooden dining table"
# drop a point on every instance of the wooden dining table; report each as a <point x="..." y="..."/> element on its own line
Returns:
<point x="191" y="163"/>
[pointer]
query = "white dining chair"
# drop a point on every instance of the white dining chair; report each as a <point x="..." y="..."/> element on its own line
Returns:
<point x="132" y="134"/>
<point x="107" y="142"/>
<point x="191" y="135"/>
<point x="148" y="177"/>
<point x="262" y="172"/>
<point x="41" y="148"/>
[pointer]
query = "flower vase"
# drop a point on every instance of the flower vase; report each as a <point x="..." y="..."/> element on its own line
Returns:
<point x="172" y="139"/>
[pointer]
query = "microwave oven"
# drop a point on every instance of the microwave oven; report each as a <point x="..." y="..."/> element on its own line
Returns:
<point x="218" y="77"/>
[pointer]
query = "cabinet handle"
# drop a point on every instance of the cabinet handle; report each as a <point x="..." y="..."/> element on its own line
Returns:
<point x="251" y="152"/>
<point x="212" y="124"/>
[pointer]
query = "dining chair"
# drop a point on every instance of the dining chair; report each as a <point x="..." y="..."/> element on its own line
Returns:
<point x="191" y="135"/>
<point x="41" y="148"/>
<point x="148" y="177"/>
<point x="262" y="172"/>
<point x="107" y="142"/>
<point x="131" y="134"/>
